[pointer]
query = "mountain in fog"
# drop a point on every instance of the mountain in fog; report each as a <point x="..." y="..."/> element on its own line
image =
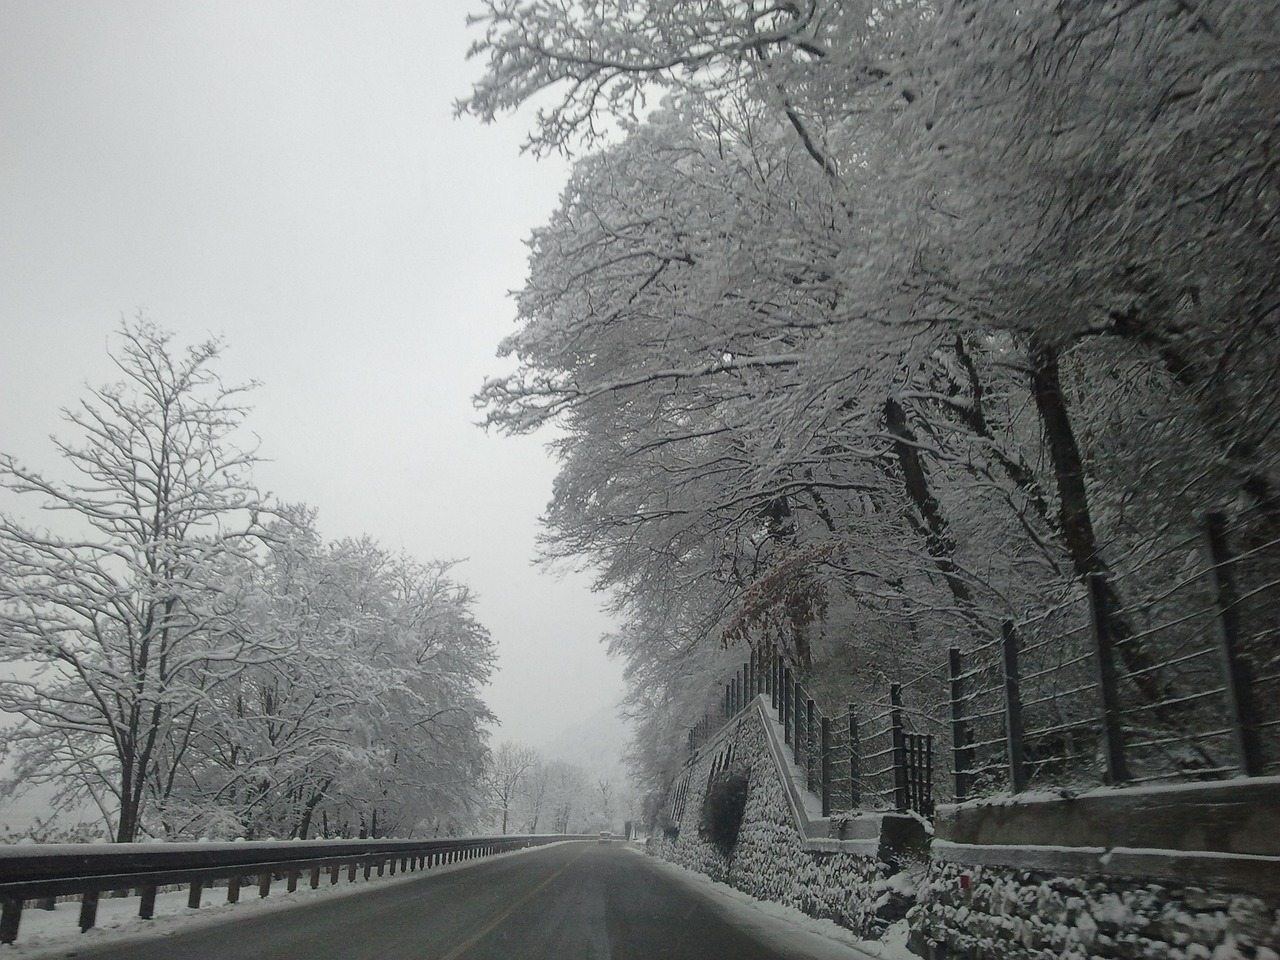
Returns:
<point x="595" y="743"/>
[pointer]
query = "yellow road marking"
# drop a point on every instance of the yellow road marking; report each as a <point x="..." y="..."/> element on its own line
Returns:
<point x="484" y="931"/>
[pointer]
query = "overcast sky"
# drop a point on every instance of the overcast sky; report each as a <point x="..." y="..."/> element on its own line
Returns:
<point x="289" y="175"/>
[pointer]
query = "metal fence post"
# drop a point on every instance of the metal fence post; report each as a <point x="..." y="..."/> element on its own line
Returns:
<point x="855" y="762"/>
<point x="1112" y="725"/>
<point x="784" y="705"/>
<point x="826" y="767"/>
<point x="899" y="748"/>
<point x="798" y="705"/>
<point x="1235" y="668"/>
<point x="1013" y="708"/>
<point x="962" y="753"/>
<point x="775" y="667"/>
<point x="808" y="745"/>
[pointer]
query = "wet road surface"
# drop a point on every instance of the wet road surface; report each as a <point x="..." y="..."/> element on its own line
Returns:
<point x="565" y="902"/>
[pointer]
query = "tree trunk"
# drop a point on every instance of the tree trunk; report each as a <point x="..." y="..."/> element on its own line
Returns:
<point x="1076" y="521"/>
<point x="937" y="532"/>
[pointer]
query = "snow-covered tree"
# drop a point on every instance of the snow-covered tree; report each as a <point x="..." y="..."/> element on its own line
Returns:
<point x="118" y="625"/>
<point x="371" y="725"/>
<point x="834" y="333"/>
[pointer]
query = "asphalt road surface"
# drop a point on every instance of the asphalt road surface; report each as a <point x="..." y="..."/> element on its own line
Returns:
<point x="565" y="902"/>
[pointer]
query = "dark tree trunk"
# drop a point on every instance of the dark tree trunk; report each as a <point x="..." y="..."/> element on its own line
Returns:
<point x="1076" y="521"/>
<point x="937" y="531"/>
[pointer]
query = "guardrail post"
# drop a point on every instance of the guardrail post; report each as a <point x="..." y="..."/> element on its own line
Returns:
<point x="193" y="895"/>
<point x="962" y="753"/>
<point x="233" y="890"/>
<point x="1235" y="668"/>
<point x="147" y="901"/>
<point x="88" y="910"/>
<point x="1112" y="725"/>
<point x="855" y="762"/>
<point x="1013" y="708"/>
<point x="899" y="739"/>
<point x="10" y="918"/>
<point x="264" y="882"/>
<point x="826" y="767"/>
<point x="315" y="877"/>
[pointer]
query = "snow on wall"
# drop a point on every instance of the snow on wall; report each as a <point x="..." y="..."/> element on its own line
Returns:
<point x="993" y="913"/>
<point x="769" y="860"/>
<point x="955" y="910"/>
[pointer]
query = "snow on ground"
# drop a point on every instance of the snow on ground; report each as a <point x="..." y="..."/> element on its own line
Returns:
<point x="55" y="933"/>
<point x="786" y="927"/>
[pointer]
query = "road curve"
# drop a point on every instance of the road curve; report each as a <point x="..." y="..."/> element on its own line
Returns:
<point x="574" y="901"/>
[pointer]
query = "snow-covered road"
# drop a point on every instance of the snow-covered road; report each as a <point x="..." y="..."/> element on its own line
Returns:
<point x="575" y="900"/>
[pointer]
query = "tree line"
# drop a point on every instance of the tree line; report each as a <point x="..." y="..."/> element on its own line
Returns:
<point x="188" y="658"/>
<point x="869" y="326"/>
<point x="528" y="793"/>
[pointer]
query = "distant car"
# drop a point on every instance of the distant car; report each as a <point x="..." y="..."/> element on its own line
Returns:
<point x="605" y="837"/>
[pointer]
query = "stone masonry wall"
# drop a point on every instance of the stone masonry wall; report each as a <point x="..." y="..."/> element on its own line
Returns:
<point x="769" y="860"/>
<point x="957" y="911"/>
<point x="992" y="913"/>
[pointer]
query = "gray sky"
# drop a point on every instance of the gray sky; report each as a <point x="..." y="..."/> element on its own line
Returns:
<point x="289" y="175"/>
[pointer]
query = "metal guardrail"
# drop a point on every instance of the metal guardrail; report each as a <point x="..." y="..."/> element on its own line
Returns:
<point x="44" y="871"/>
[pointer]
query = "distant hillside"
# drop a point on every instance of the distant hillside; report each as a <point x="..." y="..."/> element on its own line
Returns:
<point x="595" y="743"/>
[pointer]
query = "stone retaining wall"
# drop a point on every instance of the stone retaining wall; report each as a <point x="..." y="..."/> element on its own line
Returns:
<point x="1187" y="872"/>
<point x="770" y="860"/>
<point x="993" y="913"/>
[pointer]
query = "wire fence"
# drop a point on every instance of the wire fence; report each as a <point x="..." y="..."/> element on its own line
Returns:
<point x="1168" y="670"/>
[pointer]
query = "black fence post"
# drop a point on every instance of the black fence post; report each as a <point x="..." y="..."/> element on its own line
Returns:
<point x="1112" y="725"/>
<point x="898" y="733"/>
<point x="809" y="741"/>
<point x="1013" y="708"/>
<point x="826" y="767"/>
<point x="1235" y="668"/>
<point x="775" y="668"/>
<point x="798" y="706"/>
<point x="962" y="753"/>
<point x="784" y="705"/>
<point x="926" y="806"/>
<point x="855" y="762"/>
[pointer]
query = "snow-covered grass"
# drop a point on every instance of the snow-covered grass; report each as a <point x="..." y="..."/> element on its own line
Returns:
<point x="53" y="933"/>
<point x="783" y="926"/>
